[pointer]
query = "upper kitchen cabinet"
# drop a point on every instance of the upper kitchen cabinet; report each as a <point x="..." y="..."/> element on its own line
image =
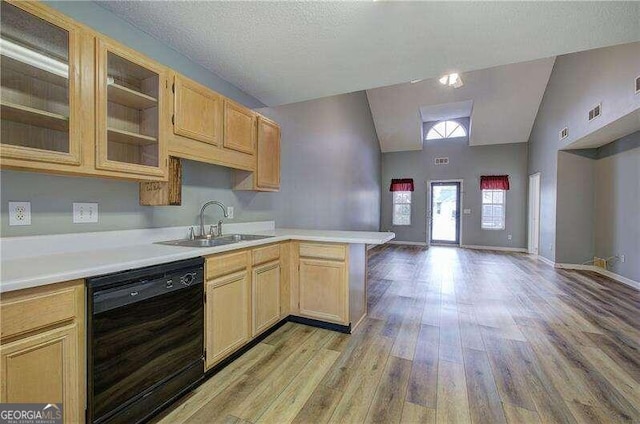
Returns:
<point x="209" y="128"/>
<point x="268" y="166"/>
<point x="130" y="96"/>
<point x="266" y="176"/>
<point x="239" y="128"/>
<point x="197" y="111"/>
<point x="40" y="96"/>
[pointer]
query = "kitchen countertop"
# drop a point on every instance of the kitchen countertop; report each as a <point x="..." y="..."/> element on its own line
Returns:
<point x="31" y="271"/>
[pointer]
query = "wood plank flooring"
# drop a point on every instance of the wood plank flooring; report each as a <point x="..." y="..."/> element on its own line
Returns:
<point x="452" y="336"/>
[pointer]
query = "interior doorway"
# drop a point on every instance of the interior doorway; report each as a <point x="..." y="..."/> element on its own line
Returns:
<point x="444" y="212"/>
<point x="534" y="214"/>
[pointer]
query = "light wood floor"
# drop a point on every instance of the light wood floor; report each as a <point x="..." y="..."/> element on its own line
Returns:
<point x="452" y="336"/>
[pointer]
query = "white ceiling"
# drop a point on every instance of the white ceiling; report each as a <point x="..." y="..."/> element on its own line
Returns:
<point x="505" y="103"/>
<point x="619" y="128"/>
<point x="284" y="52"/>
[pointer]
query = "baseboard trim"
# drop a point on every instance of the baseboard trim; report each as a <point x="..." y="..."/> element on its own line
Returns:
<point x="496" y="248"/>
<point x="408" y="243"/>
<point x="545" y="260"/>
<point x="619" y="278"/>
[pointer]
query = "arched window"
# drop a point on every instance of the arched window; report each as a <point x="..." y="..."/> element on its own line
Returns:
<point x="446" y="129"/>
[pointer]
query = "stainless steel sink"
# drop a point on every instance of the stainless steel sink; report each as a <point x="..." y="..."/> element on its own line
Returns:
<point x="213" y="242"/>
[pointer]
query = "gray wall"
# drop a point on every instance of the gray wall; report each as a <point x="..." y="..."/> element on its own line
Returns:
<point x="330" y="180"/>
<point x="575" y="219"/>
<point x="617" y="205"/>
<point x="578" y="82"/>
<point x="466" y="163"/>
<point x="330" y="164"/>
<point x="107" y="23"/>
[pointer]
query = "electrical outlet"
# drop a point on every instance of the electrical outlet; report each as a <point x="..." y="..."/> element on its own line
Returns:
<point x="230" y="212"/>
<point x="622" y="258"/>
<point x="19" y="213"/>
<point x="509" y="236"/>
<point x="85" y="213"/>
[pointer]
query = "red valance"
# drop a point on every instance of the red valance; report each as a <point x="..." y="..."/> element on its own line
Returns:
<point x="401" y="184"/>
<point x="494" y="182"/>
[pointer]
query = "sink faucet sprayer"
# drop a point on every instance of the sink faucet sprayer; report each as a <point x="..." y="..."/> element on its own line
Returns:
<point x="224" y="211"/>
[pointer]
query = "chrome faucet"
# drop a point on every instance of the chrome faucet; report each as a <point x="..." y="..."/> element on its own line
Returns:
<point x="224" y="211"/>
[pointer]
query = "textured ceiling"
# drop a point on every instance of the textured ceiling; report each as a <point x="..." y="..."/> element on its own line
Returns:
<point x="284" y="52"/>
<point x="505" y="103"/>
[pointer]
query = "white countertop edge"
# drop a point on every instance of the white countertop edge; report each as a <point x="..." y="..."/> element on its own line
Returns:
<point x="177" y="253"/>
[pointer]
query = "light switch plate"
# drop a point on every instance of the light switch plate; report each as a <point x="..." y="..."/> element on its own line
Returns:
<point x="466" y="211"/>
<point x="85" y="213"/>
<point x="19" y="213"/>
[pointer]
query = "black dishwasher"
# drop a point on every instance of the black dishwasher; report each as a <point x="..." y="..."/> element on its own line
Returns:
<point x="145" y="340"/>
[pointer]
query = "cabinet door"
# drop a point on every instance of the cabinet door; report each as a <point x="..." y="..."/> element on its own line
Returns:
<point x="130" y="91"/>
<point x="268" y="165"/>
<point x="40" y="79"/>
<point x="44" y="369"/>
<point x="266" y="296"/>
<point x="239" y="128"/>
<point x="197" y="112"/>
<point x="227" y="315"/>
<point x="323" y="290"/>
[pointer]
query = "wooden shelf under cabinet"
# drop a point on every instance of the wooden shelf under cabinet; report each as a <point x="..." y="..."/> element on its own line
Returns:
<point x="128" y="97"/>
<point x="37" y="117"/>
<point x="127" y="137"/>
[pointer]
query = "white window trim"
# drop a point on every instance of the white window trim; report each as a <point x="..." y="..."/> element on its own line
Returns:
<point x="444" y="136"/>
<point x="504" y="209"/>
<point x="393" y="208"/>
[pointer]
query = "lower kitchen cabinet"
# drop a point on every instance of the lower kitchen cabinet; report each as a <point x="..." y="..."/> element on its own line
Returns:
<point x="266" y="296"/>
<point x="43" y="368"/>
<point x="228" y="301"/>
<point x="42" y="347"/>
<point x="324" y="290"/>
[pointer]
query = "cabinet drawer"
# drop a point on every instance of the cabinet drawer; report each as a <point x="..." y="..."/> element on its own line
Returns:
<point x="266" y="254"/>
<point x="25" y="311"/>
<point x="224" y="264"/>
<point x="323" y="251"/>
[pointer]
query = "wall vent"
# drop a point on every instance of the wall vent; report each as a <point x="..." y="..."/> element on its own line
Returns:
<point x="564" y="133"/>
<point x="442" y="161"/>
<point x="595" y="112"/>
<point x="638" y="84"/>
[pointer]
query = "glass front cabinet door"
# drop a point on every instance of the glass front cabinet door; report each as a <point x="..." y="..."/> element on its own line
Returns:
<point x="39" y="68"/>
<point x="130" y="96"/>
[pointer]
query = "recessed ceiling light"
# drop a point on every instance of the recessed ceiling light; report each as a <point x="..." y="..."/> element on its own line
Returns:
<point x="452" y="80"/>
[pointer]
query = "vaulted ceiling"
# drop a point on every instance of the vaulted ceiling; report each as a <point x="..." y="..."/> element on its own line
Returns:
<point x="285" y="52"/>
<point x="502" y="103"/>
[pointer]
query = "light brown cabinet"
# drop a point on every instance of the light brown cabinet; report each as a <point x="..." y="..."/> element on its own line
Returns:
<point x="228" y="301"/>
<point x="197" y="111"/>
<point x="74" y="102"/>
<point x="266" y="176"/>
<point x="265" y="284"/>
<point x="268" y="155"/>
<point x="130" y="130"/>
<point x="239" y="128"/>
<point x="324" y="290"/>
<point x="40" y="96"/>
<point x="42" y="354"/>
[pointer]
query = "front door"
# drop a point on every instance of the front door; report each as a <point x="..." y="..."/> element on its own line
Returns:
<point x="445" y="213"/>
